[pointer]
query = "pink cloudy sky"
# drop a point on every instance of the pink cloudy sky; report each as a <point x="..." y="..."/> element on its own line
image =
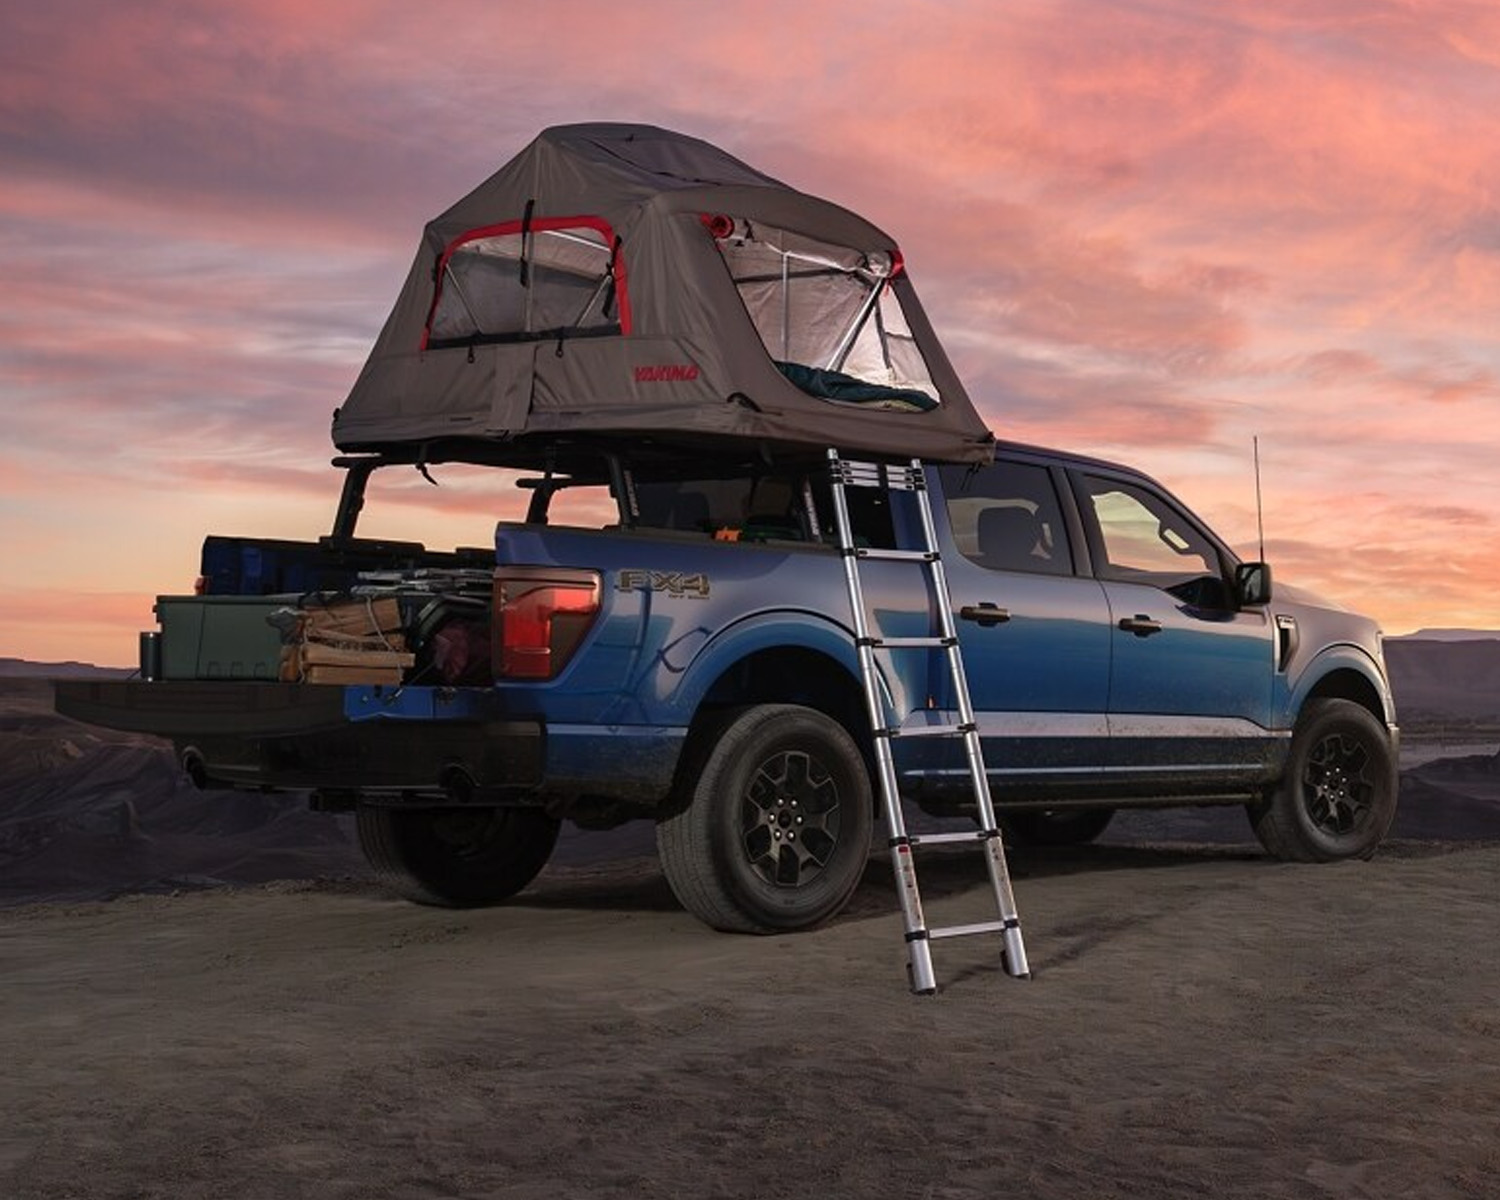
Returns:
<point x="1146" y="230"/>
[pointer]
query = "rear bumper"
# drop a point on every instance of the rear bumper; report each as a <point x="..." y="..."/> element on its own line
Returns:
<point x="299" y="735"/>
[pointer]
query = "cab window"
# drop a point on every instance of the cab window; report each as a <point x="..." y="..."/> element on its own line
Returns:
<point x="1145" y="539"/>
<point x="1006" y="517"/>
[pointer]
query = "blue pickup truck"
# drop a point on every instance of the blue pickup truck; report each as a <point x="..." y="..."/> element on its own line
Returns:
<point x="693" y="661"/>
<point x="632" y="310"/>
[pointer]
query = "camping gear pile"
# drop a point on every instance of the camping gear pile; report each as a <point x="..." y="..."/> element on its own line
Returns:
<point x="425" y="626"/>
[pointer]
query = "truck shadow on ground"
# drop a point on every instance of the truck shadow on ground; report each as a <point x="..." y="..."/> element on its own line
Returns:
<point x="952" y="871"/>
<point x="636" y="884"/>
<point x="628" y="885"/>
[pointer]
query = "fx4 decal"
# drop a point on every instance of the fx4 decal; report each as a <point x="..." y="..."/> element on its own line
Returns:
<point x="674" y="583"/>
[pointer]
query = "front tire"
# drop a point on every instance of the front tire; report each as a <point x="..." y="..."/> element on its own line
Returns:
<point x="775" y="829"/>
<point x="457" y="857"/>
<point x="1338" y="796"/>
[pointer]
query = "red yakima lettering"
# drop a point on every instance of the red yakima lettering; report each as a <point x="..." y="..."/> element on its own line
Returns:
<point x="667" y="373"/>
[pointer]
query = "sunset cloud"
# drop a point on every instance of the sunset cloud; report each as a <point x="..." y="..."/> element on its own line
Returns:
<point x="1150" y="231"/>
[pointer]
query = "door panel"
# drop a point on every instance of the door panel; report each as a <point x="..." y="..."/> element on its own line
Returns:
<point x="1196" y="694"/>
<point x="1190" y="677"/>
<point x="1034" y="636"/>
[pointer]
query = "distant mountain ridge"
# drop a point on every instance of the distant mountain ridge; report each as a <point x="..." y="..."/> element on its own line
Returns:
<point x="19" y="668"/>
<point x="1445" y="681"/>
<point x="1448" y="635"/>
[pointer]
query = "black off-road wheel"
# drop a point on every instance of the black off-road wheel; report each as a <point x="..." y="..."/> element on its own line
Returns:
<point x="1054" y="826"/>
<point x="461" y="857"/>
<point x="771" y="829"/>
<point x="1338" y="796"/>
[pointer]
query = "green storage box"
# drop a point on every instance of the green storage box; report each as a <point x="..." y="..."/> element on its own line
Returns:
<point x="220" y="637"/>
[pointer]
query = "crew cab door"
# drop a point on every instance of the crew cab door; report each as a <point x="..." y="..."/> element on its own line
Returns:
<point x="1032" y="626"/>
<point x="1190" y="675"/>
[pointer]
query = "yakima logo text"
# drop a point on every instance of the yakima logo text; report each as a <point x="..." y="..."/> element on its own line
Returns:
<point x="667" y="373"/>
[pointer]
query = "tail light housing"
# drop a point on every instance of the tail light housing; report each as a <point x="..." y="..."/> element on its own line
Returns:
<point x="541" y="614"/>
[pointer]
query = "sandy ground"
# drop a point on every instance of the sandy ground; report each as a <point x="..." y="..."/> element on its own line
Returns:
<point x="1203" y="1022"/>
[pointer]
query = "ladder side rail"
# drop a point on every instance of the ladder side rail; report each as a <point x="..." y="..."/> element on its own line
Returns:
<point x="995" y="863"/>
<point x="869" y="679"/>
<point x="923" y="977"/>
<point x="949" y="633"/>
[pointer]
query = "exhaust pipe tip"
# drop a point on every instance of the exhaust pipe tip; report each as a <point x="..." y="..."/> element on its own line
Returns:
<point x="458" y="783"/>
<point x="195" y="768"/>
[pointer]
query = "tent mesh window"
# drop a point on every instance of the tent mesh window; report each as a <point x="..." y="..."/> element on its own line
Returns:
<point x="511" y="286"/>
<point x="827" y="315"/>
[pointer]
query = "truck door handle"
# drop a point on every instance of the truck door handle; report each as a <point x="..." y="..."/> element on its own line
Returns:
<point x="985" y="613"/>
<point x="1140" y="625"/>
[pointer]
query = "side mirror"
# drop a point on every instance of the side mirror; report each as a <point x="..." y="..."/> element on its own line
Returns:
<point x="1252" y="584"/>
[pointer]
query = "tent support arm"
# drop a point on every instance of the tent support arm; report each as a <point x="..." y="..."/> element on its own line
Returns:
<point x="352" y="497"/>
<point x="846" y="343"/>
<point x="622" y="487"/>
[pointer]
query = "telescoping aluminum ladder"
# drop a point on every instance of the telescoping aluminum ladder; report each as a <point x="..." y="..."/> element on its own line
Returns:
<point x="887" y="726"/>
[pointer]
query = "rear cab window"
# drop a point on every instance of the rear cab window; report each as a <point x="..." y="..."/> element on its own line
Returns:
<point x="1006" y="517"/>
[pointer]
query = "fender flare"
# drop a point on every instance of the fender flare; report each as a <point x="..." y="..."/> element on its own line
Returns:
<point x="795" y="629"/>
<point x="1343" y="656"/>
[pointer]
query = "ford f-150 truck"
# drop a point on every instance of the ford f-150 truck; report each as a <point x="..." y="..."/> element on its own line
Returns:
<point x="693" y="661"/>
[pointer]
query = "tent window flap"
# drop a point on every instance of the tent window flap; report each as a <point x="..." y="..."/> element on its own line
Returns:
<point x="828" y="315"/>
<point x="515" y="281"/>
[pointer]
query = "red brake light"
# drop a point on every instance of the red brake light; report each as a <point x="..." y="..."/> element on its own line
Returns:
<point x="541" y="615"/>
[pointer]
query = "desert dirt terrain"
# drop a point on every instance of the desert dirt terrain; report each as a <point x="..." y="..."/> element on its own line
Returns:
<point x="1203" y="1021"/>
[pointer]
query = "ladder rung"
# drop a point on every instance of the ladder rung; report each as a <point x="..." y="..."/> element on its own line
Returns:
<point x="912" y="643"/>
<point x="937" y="839"/>
<point x="948" y="931"/>
<point x="896" y="555"/>
<point x="877" y="475"/>
<point x="926" y="731"/>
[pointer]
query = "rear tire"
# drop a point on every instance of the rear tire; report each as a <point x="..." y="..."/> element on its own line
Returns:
<point x="1337" y="798"/>
<point x="1054" y="826"/>
<point x="771" y="830"/>
<point x="460" y="857"/>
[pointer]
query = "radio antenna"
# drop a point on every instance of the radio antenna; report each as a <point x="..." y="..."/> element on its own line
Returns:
<point x="1260" y="527"/>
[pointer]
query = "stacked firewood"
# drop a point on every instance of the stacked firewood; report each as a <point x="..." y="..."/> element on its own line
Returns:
<point x="346" y="641"/>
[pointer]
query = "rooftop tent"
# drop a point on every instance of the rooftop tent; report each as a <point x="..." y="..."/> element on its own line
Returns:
<point x="626" y="281"/>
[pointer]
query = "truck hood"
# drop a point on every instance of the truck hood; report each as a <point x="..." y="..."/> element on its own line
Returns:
<point x="1323" y="625"/>
<point x="1306" y="598"/>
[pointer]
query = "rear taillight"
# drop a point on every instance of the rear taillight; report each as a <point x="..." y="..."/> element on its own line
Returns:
<point x="541" y="615"/>
<point x="200" y="586"/>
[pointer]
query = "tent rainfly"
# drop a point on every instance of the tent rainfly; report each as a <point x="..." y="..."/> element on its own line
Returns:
<point x="624" y="281"/>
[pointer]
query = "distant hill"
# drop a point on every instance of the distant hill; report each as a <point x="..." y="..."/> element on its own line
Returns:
<point x="19" y="668"/>
<point x="1445" y="681"/>
<point x="1448" y="635"/>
